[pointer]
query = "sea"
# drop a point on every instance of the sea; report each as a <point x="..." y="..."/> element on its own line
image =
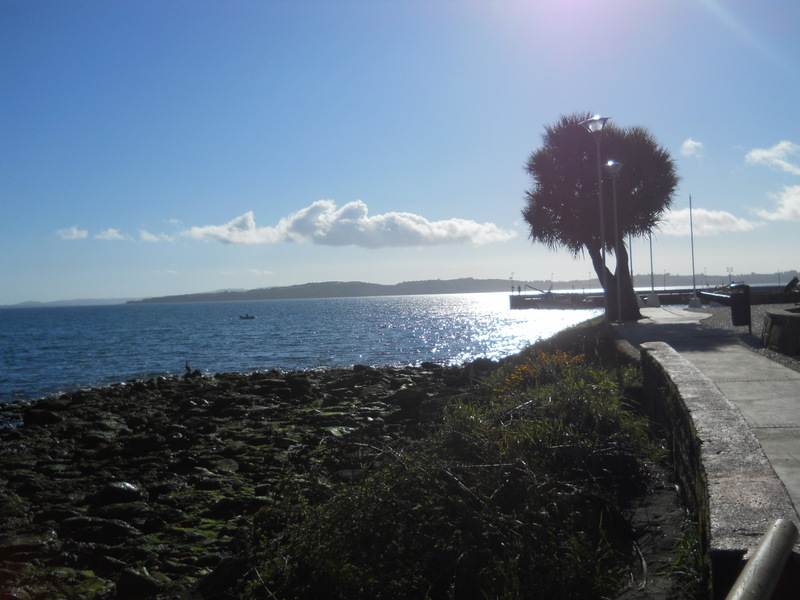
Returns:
<point x="47" y="350"/>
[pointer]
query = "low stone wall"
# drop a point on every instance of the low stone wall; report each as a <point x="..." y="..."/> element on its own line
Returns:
<point x="726" y="477"/>
<point x="782" y="331"/>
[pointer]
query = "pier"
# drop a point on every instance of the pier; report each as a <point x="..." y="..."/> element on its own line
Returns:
<point x="677" y="296"/>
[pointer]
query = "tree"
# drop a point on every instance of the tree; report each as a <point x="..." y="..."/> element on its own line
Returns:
<point x="562" y="207"/>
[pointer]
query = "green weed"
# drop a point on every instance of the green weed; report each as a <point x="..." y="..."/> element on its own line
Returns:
<point x="515" y="495"/>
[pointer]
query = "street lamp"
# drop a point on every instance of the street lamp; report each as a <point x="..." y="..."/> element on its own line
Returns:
<point x="695" y="301"/>
<point x="595" y="127"/>
<point x="652" y="299"/>
<point x="613" y="167"/>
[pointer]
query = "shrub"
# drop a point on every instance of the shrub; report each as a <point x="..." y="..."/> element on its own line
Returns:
<point x="516" y="494"/>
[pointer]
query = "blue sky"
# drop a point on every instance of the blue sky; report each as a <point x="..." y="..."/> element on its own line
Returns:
<point x="151" y="148"/>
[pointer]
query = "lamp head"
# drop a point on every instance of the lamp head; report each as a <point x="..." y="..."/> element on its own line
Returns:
<point x="595" y="124"/>
<point x="613" y="167"/>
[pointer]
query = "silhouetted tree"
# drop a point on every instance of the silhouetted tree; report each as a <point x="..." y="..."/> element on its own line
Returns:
<point x="562" y="207"/>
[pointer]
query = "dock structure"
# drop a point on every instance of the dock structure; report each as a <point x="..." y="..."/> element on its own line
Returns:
<point x="593" y="299"/>
<point x="667" y="297"/>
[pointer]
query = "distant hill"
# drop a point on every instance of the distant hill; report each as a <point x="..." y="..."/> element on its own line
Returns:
<point x="342" y="289"/>
<point x="468" y="285"/>
<point x="351" y="289"/>
<point x="79" y="302"/>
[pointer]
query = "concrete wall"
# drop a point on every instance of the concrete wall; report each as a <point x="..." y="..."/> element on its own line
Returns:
<point x="725" y="475"/>
<point x="782" y="331"/>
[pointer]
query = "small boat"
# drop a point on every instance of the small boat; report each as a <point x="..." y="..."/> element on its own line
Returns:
<point x="246" y="316"/>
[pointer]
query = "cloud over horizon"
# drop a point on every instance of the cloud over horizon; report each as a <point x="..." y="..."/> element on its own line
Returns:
<point x="324" y="223"/>
<point x="692" y="147"/>
<point x="110" y="234"/>
<point x="704" y="222"/>
<point x="72" y="233"/>
<point x="776" y="157"/>
<point x="787" y="205"/>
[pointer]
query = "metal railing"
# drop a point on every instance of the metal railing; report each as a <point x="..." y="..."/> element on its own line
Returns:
<point x="761" y="574"/>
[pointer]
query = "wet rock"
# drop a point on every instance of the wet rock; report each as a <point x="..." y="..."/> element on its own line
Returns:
<point x="7" y="576"/>
<point x="135" y="584"/>
<point x="98" y="530"/>
<point x="37" y="416"/>
<point x="151" y="484"/>
<point x="349" y="475"/>
<point x="29" y="547"/>
<point x="118" y="492"/>
<point x="227" y="508"/>
<point x="55" y="515"/>
<point x="217" y="584"/>
<point x="408" y="397"/>
<point x="106" y="565"/>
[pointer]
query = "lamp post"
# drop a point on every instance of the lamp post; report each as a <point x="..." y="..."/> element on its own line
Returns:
<point x="595" y="127"/>
<point x="630" y="257"/>
<point x="613" y="167"/>
<point x="695" y="301"/>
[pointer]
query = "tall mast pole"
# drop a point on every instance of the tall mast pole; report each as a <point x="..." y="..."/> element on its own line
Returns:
<point x="691" y="235"/>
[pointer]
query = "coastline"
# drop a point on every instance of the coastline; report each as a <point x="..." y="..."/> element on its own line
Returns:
<point x="149" y="489"/>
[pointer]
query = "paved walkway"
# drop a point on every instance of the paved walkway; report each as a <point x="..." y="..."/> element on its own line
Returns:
<point x="767" y="393"/>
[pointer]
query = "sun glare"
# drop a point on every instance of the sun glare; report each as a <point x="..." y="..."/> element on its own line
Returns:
<point x="738" y="27"/>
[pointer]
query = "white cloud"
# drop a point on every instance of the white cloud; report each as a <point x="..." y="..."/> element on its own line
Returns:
<point x="72" y="233"/>
<point x="146" y="236"/>
<point x="242" y="230"/>
<point x="260" y="272"/>
<point x="704" y="222"/>
<point x="692" y="147"/>
<point x="324" y="223"/>
<point x="110" y="234"/>
<point x="776" y="157"/>
<point x="787" y="205"/>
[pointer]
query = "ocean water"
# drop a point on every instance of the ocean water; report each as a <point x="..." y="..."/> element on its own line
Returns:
<point x="47" y="350"/>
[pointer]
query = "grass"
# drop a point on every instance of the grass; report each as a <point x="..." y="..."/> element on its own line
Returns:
<point x="688" y="566"/>
<point x="516" y="494"/>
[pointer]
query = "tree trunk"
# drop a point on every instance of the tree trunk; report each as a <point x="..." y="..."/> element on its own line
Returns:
<point x="629" y="303"/>
<point x="596" y="256"/>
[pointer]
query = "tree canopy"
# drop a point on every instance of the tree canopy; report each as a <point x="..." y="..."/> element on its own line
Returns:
<point x="562" y="208"/>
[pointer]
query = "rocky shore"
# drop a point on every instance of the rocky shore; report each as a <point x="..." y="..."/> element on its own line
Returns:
<point x="148" y="489"/>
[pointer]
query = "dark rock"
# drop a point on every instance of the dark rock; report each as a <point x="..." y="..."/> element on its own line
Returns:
<point x="218" y="583"/>
<point x="95" y="440"/>
<point x="168" y="474"/>
<point x="163" y="488"/>
<point x="118" y="492"/>
<point x="7" y="576"/>
<point x="107" y="565"/>
<point x="227" y="508"/>
<point x="98" y="530"/>
<point x="25" y="548"/>
<point x="299" y="384"/>
<point x="36" y="416"/>
<point x="135" y="584"/>
<point x="209" y="560"/>
<point x="349" y="475"/>
<point x="55" y="514"/>
<point x="408" y="397"/>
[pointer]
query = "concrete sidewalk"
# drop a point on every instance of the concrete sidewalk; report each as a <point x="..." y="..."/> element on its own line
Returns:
<point x="766" y="393"/>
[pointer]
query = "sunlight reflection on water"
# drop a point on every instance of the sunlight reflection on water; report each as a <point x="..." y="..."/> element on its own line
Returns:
<point x="43" y="350"/>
